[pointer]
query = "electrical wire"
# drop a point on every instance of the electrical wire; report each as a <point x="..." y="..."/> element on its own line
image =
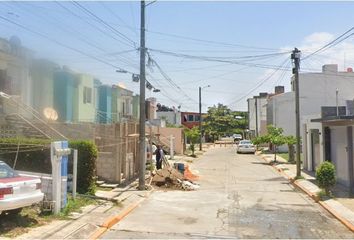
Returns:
<point x="209" y="41"/>
<point x="62" y="44"/>
<point x="114" y="30"/>
<point x="259" y="84"/>
<point x="125" y="60"/>
<point x="201" y="58"/>
<point x="331" y="43"/>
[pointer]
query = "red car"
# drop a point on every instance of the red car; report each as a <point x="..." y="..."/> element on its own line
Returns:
<point x="17" y="191"/>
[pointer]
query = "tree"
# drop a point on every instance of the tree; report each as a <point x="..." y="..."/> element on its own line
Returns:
<point x="220" y="120"/>
<point x="326" y="176"/>
<point x="193" y="137"/>
<point x="291" y="140"/>
<point x="275" y="137"/>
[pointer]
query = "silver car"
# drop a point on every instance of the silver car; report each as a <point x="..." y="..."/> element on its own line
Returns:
<point x="246" y="146"/>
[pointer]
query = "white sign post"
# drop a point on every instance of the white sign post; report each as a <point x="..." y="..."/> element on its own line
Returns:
<point x="58" y="152"/>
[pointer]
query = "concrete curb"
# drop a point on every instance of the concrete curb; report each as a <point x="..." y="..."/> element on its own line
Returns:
<point x="108" y="223"/>
<point x="294" y="182"/>
<point x="336" y="215"/>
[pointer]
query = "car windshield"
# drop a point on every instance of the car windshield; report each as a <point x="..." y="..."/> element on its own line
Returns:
<point x="6" y="171"/>
<point x="245" y="142"/>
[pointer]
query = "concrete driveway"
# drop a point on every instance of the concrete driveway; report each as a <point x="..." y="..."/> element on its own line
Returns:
<point x="240" y="197"/>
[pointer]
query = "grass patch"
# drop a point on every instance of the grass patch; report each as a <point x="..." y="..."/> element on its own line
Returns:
<point x="13" y="225"/>
<point x="323" y="196"/>
<point x="285" y="156"/>
<point x="299" y="177"/>
<point x="76" y="205"/>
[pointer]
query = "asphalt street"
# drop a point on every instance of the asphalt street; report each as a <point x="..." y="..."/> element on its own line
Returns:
<point x="240" y="197"/>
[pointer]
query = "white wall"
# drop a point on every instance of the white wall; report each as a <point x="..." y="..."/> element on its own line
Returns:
<point x="251" y="114"/>
<point x="171" y="117"/>
<point x="307" y="144"/>
<point x="316" y="90"/>
<point x="261" y="114"/>
<point x="339" y="154"/>
<point x="284" y="112"/>
<point x="319" y="89"/>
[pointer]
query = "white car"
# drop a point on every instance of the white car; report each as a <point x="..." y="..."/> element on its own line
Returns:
<point x="16" y="191"/>
<point x="246" y="146"/>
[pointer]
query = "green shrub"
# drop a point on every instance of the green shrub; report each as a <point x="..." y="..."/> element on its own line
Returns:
<point x="326" y="176"/>
<point x="86" y="165"/>
<point x="34" y="156"/>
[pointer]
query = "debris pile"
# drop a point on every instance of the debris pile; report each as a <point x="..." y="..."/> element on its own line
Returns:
<point x="188" y="174"/>
<point x="172" y="178"/>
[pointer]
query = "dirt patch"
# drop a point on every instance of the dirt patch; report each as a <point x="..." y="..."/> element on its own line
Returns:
<point x="12" y="225"/>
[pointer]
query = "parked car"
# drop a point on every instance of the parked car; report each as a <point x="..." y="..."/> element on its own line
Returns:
<point x="17" y="191"/>
<point x="246" y="146"/>
<point x="237" y="137"/>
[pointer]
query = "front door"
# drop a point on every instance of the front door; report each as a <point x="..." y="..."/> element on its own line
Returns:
<point x="315" y="148"/>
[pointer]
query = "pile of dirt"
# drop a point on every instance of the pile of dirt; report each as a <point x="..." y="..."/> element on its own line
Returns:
<point x="169" y="177"/>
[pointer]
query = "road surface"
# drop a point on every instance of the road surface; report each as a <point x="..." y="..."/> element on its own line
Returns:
<point x="240" y="197"/>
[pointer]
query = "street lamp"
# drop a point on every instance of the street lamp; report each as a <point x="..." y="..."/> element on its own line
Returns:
<point x="200" y="116"/>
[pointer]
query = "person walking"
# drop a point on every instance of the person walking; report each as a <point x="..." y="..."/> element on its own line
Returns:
<point x="159" y="156"/>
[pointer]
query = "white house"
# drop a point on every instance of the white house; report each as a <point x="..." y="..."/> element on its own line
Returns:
<point x="324" y="135"/>
<point x="281" y="112"/>
<point x="171" y="117"/>
<point x="257" y="114"/>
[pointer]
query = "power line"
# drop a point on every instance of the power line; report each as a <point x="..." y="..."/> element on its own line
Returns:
<point x="260" y="56"/>
<point x="123" y="36"/>
<point x="329" y="45"/>
<point x="211" y="59"/>
<point x="67" y="28"/>
<point x="260" y="83"/>
<point x="61" y="44"/>
<point x="209" y="41"/>
<point x="134" y="30"/>
<point x="123" y="59"/>
<point x="173" y="84"/>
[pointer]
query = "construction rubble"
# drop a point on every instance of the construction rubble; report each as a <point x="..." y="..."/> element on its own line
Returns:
<point x="170" y="177"/>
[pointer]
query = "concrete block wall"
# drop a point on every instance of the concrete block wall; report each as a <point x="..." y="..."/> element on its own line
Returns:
<point x="105" y="166"/>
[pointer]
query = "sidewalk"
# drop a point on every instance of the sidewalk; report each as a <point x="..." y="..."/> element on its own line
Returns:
<point x="341" y="207"/>
<point x="94" y="219"/>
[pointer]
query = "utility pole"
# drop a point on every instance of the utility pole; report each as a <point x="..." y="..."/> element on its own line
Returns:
<point x="337" y="102"/>
<point x="256" y="107"/>
<point x="200" y="118"/>
<point x="295" y="56"/>
<point x="142" y="148"/>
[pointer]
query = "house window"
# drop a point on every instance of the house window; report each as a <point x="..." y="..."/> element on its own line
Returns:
<point x="87" y="95"/>
<point x="190" y="118"/>
<point x="197" y="118"/>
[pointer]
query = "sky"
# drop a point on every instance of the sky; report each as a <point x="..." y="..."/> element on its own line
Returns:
<point x="238" y="48"/>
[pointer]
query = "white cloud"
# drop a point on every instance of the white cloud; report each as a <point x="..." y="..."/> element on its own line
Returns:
<point x="341" y="54"/>
<point x="318" y="38"/>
